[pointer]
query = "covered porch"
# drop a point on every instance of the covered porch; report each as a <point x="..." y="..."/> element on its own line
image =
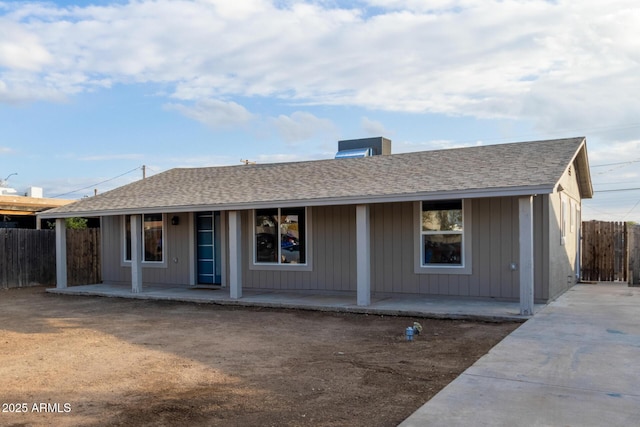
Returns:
<point x="396" y="305"/>
<point x="362" y="300"/>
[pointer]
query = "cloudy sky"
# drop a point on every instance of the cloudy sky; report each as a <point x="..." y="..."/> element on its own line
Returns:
<point x="92" y="90"/>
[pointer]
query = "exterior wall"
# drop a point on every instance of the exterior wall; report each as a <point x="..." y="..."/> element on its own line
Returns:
<point x="564" y="252"/>
<point x="112" y="271"/>
<point x="333" y="254"/>
<point x="178" y="240"/>
<point x="332" y="239"/>
<point x="495" y="245"/>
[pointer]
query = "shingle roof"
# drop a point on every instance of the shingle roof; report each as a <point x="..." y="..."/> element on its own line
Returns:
<point x="504" y="169"/>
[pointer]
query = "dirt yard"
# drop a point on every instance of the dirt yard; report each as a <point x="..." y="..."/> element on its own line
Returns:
<point x="113" y="362"/>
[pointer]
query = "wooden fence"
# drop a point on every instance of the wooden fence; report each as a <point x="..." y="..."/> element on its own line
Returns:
<point x="634" y="255"/>
<point x="610" y="252"/>
<point x="28" y="257"/>
<point x="83" y="256"/>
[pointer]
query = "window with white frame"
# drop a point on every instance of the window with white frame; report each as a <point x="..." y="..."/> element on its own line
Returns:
<point x="152" y="238"/>
<point x="442" y="233"/>
<point x="572" y="222"/>
<point x="280" y="236"/>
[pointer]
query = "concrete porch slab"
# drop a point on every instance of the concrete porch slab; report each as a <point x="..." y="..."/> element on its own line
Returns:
<point x="409" y="305"/>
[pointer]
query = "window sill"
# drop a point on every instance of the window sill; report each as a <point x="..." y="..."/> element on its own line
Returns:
<point x="280" y="267"/>
<point x="144" y="264"/>
<point x="442" y="270"/>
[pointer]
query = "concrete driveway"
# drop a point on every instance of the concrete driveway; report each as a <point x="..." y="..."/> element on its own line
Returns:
<point x="575" y="363"/>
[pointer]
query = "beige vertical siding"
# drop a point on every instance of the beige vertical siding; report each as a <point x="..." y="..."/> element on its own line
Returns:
<point x="112" y="251"/>
<point x="177" y="240"/>
<point x="332" y="238"/>
<point x="495" y="245"/>
<point x="392" y="252"/>
<point x="541" y="247"/>
<point x="495" y="242"/>
<point x="562" y="257"/>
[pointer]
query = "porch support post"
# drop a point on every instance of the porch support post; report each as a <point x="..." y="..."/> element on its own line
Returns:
<point x="525" y="205"/>
<point x="363" y="255"/>
<point x="61" y="253"/>
<point x="136" y="254"/>
<point x="235" y="255"/>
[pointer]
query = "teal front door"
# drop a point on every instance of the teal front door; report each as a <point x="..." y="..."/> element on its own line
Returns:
<point x="208" y="247"/>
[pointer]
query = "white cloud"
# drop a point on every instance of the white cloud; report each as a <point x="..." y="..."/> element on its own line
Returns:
<point x="109" y="157"/>
<point x="437" y="144"/>
<point x="279" y="158"/>
<point x="214" y="113"/>
<point x="374" y="128"/>
<point x="614" y="166"/>
<point x="421" y="5"/>
<point x="301" y="126"/>
<point x="21" y="50"/>
<point x="558" y="64"/>
<point x="613" y="152"/>
<point x="205" y="160"/>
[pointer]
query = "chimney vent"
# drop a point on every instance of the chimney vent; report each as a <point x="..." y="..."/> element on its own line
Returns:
<point x="363" y="147"/>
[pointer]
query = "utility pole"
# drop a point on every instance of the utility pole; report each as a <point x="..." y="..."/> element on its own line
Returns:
<point x="144" y="171"/>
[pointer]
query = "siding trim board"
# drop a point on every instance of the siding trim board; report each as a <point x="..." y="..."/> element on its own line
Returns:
<point x="235" y="254"/>
<point x="526" y="255"/>
<point x="61" y="254"/>
<point x="363" y="255"/>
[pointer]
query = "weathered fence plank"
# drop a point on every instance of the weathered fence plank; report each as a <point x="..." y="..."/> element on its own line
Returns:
<point x="28" y="257"/>
<point x="609" y="251"/>
<point x="25" y="257"/>
<point x="83" y="256"/>
<point x="633" y="232"/>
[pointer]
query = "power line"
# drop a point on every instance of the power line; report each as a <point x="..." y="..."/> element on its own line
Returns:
<point x="616" y="164"/>
<point x="611" y="183"/>
<point x="617" y="189"/>
<point x="584" y="206"/>
<point x="99" y="183"/>
<point x="631" y="210"/>
<point x="151" y="169"/>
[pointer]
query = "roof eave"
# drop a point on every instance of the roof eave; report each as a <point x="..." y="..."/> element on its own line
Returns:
<point x="584" y="173"/>
<point x="328" y="201"/>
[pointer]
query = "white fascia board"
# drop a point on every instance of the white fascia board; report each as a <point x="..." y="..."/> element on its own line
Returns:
<point x="68" y="215"/>
<point x="583" y="174"/>
<point x="329" y="201"/>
